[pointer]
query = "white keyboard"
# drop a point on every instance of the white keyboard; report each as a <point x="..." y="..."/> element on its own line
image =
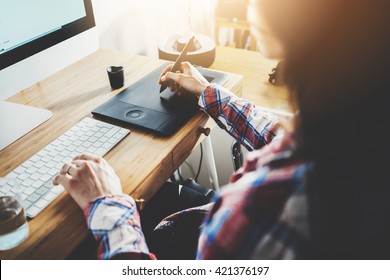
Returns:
<point x="35" y="175"/>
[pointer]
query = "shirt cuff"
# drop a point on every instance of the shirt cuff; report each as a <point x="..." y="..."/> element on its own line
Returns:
<point x="208" y="96"/>
<point x="214" y="99"/>
<point x="114" y="222"/>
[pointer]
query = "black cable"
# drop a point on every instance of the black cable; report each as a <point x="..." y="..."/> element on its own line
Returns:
<point x="180" y="176"/>
<point x="173" y="179"/>
<point x="200" y="163"/>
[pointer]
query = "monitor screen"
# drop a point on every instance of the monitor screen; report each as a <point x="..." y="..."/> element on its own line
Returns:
<point x="30" y="26"/>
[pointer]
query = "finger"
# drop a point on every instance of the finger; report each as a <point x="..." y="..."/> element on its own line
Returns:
<point x="65" y="168"/>
<point x="61" y="180"/>
<point x="79" y="163"/>
<point x="77" y="167"/>
<point x="178" y="89"/>
<point x="176" y="77"/>
<point x="73" y="170"/>
<point x="166" y="70"/>
<point x="185" y="66"/>
<point x="86" y="156"/>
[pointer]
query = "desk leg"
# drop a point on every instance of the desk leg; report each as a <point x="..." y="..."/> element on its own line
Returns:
<point x="209" y="155"/>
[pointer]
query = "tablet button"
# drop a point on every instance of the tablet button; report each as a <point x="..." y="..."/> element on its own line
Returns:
<point x="134" y="114"/>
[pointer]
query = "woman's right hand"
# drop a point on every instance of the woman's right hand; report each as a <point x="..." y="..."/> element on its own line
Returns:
<point x="191" y="80"/>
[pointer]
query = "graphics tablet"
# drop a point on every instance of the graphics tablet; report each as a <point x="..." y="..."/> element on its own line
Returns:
<point x="142" y="105"/>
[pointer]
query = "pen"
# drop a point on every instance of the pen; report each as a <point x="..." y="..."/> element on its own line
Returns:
<point x="179" y="60"/>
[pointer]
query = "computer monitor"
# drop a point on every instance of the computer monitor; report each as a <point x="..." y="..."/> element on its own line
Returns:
<point x="37" y="39"/>
<point x="40" y="37"/>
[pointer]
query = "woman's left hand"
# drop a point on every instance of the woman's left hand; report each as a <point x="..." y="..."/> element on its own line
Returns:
<point x="87" y="178"/>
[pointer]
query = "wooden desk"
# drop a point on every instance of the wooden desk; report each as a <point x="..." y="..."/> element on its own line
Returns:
<point x="143" y="161"/>
<point x="255" y="69"/>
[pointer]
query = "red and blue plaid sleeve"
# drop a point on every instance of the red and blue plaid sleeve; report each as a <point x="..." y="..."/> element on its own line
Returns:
<point x="114" y="222"/>
<point x="252" y="127"/>
<point x="252" y="218"/>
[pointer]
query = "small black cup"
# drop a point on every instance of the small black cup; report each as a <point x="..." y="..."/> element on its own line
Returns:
<point x="116" y="76"/>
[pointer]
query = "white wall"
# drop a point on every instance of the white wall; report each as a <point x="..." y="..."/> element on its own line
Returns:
<point x="139" y="26"/>
<point x="21" y="75"/>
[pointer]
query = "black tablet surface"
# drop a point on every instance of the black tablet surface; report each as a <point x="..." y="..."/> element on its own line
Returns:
<point x="142" y="105"/>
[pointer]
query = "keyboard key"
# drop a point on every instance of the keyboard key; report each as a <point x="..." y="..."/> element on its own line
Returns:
<point x="89" y="133"/>
<point x="71" y="148"/>
<point x="20" y="170"/>
<point x="45" y="178"/>
<point x="32" y="170"/>
<point x="33" y="197"/>
<point x="80" y="149"/>
<point x="77" y="143"/>
<point x="23" y="176"/>
<point x="35" y="176"/>
<point x="53" y="171"/>
<point x="42" y="203"/>
<point x="27" y="164"/>
<point x="34" y="158"/>
<point x="98" y="144"/>
<point x="86" y="144"/>
<point x="39" y="164"/>
<point x="99" y="134"/>
<point x="101" y="152"/>
<point x="112" y="132"/>
<point x="28" y="191"/>
<point x="26" y="204"/>
<point x="57" y="189"/>
<point x="106" y="146"/>
<point x="5" y="189"/>
<point x="42" y="190"/>
<point x="51" y="164"/>
<point x="64" y="153"/>
<point x="43" y="170"/>
<point x="42" y="153"/>
<point x="32" y="211"/>
<point x="50" y="196"/>
<point x="74" y="154"/>
<point x="46" y="158"/>
<point x="37" y="184"/>
<point x="91" y="150"/>
<point x="27" y="183"/>
<point x="12" y="175"/>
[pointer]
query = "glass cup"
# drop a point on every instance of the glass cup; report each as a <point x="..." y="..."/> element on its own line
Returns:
<point x="13" y="222"/>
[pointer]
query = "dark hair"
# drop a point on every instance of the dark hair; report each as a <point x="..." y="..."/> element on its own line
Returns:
<point x="340" y="84"/>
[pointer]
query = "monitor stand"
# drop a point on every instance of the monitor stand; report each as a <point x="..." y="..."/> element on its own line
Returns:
<point x="17" y="120"/>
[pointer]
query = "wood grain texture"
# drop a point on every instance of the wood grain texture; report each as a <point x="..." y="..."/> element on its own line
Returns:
<point x="143" y="160"/>
<point x="256" y="88"/>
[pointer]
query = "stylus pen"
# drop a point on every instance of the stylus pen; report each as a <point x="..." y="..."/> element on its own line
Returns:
<point x="179" y="60"/>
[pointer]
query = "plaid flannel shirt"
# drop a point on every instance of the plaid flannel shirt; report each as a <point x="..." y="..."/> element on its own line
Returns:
<point x="260" y="214"/>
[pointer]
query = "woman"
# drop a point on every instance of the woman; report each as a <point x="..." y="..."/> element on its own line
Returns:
<point x="321" y="191"/>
